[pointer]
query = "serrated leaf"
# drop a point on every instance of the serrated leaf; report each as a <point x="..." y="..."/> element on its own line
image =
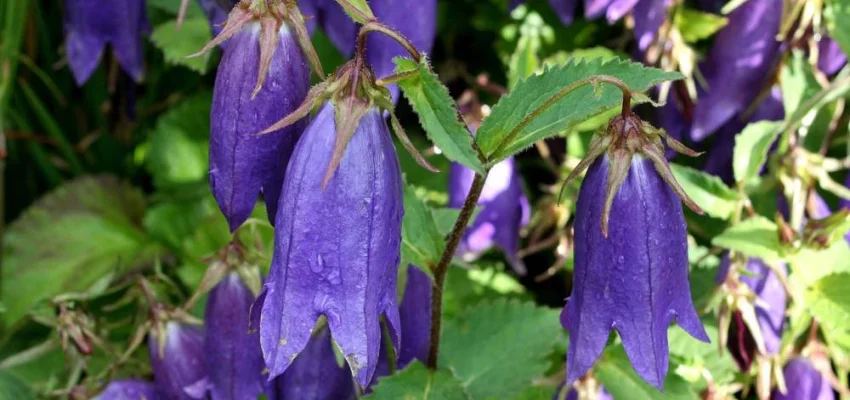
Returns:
<point x="828" y="299"/>
<point x="70" y="239"/>
<point x="178" y="150"/>
<point x="697" y="25"/>
<point x="529" y="95"/>
<point x="12" y="387"/>
<point x="422" y="243"/>
<point x="837" y="13"/>
<point x="417" y="383"/>
<point x="751" y="147"/>
<point x="708" y="191"/>
<point x="498" y="349"/>
<point x="754" y="237"/>
<point x="176" y="43"/>
<point x="437" y="113"/>
<point x="619" y="378"/>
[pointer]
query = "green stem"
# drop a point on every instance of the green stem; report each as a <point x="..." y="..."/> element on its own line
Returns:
<point x="442" y="267"/>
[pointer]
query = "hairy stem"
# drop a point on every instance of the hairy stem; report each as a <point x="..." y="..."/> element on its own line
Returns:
<point x="442" y="267"/>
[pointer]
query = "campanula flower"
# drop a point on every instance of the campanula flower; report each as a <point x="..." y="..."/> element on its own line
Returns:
<point x="337" y="245"/>
<point x="177" y="358"/>
<point x="803" y="381"/>
<point x="314" y="374"/>
<point x="128" y="389"/>
<point x="263" y="76"/>
<point x="91" y="24"/>
<point x="830" y="56"/>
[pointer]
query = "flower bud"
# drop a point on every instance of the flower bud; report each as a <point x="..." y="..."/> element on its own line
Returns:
<point x="128" y="389"/>
<point x="337" y="245"/>
<point x="91" y="24"/>
<point x="177" y="359"/>
<point x="803" y="381"/>
<point x="263" y="77"/>
<point x="314" y="374"/>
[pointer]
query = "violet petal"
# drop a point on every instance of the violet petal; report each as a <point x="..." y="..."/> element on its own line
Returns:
<point x="803" y="382"/>
<point x="314" y="375"/>
<point x="128" y="389"/>
<point x="181" y="363"/>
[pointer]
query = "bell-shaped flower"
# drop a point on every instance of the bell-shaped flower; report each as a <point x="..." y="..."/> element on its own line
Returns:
<point x="177" y="358"/>
<point x="830" y="56"/>
<point x="631" y="274"/>
<point x="91" y="24"/>
<point x="337" y="242"/>
<point x="128" y="389"/>
<point x="263" y="76"/>
<point x="803" y="381"/>
<point x="737" y="68"/>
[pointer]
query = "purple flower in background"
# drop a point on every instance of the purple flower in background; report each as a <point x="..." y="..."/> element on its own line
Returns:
<point x="243" y="163"/>
<point x="337" y="247"/>
<point x="565" y="9"/>
<point x="573" y="394"/>
<point x="770" y="311"/>
<point x="504" y="211"/>
<point x="314" y="374"/>
<point x="415" y="316"/>
<point x="830" y="56"/>
<point x="635" y="280"/>
<point x="804" y="382"/>
<point x="415" y="19"/>
<point x="128" y="389"/>
<point x="234" y="362"/>
<point x="738" y="66"/>
<point x="91" y="24"/>
<point x="595" y="8"/>
<point x="338" y="26"/>
<point x="178" y="362"/>
<point x="649" y="15"/>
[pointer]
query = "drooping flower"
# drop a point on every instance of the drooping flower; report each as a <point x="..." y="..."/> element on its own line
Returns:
<point x="632" y="274"/>
<point x="504" y="211"/>
<point x="830" y="56"/>
<point x="177" y="360"/>
<point x="314" y="374"/>
<point x="337" y="245"/>
<point x="128" y="389"/>
<point x="263" y="76"/>
<point x="737" y="70"/>
<point x="234" y="362"/>
<point x="803" y="381"/>
<point x="769" y="312"/>
<point x="91" y="24"/>
<point x="415" y="19"/>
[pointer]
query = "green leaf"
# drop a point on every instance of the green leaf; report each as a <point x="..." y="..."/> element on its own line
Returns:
<point x="446" y="218"/>
<point x="837" y="13"/>
<point x="437" y="113"/>
<point x="176" y="44"/>
<point x="466" y="287"/>
<point x="697" y="25"/>
<point x="498" y="349"/>
<point x="415" y="382"/>
<point x="526" y="60"/>
<point x="797" y="81"/>
<point x="70" y="239"/>
<point x="708" y="191"/>
<point x="12" y="387"/>
<point x="178" y="150"/>
<point x="527" y="98"/>
<point x="751" y="147"/>
<point x="173" y="7"/>
<point x="828" y="299"/>
<point x="619" y="378"/>
<point x="754" y="237"/>
<point x="808" y="265"/>
<point x="358" y="10"/>
<point x="698" y="354"/>
<point x="422" y="243"/>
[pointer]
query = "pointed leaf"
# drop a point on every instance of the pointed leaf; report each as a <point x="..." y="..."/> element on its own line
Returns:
<point x="751" y="147"/>
<point x="709" y="192"/>
<point x="422" y="243"/>
<point x="176" y="44"/>
<point x="754" y="237"/>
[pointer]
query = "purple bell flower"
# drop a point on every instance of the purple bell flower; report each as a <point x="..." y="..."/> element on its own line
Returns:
<point x="178" y="363"/>
<point x="649" y="15"/>
<point x="415" y="316"/>
<point x="738" y="65"/>
<point x="803" y="381"/>
<point x="234" y="362"/>
<point x="128" y="389"/>
<point x="246" y="100"/>
<point x="830" y="56"/>
<point x="632" y="274"/>
<point x="314" y="375"/>
<point x="91" y="24"/>
<point x="770" y="312"/>
<point x="504" y="211"/>
<point x="415" y="19"/>
<point x="337" y="246"/>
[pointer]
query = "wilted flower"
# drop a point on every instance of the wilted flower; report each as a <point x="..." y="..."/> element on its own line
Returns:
<point x="128" y="389"/>
<point x="234" y="362"/>
<point x="739" y="64"/>
<point x="632" y="274"/>
<point x="803" y="381"/>
<point x="337" y="244"/>
<point x="177" y="358"/>
<point x="314" y="374"/>
<point x="830" y="56"/>
<point x="91" y="24"/>
<point x="263" y="76"/>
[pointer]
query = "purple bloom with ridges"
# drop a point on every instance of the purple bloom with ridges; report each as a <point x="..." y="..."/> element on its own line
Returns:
<point x="180" y="365"/>
<point x="803" y="381"/>
<point x="635" y="280"/>
<point x="314" y="375"/>
<point x="503" y="211"/>
<point x="128" y="389"/>
<point x="830" y="56"/>
<point x="233" y="358"/>
<point x="738" y="65"/>
<point x="91" y="24"/>
<point x="337" y="247"/>
<point x="243" y="163"/>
